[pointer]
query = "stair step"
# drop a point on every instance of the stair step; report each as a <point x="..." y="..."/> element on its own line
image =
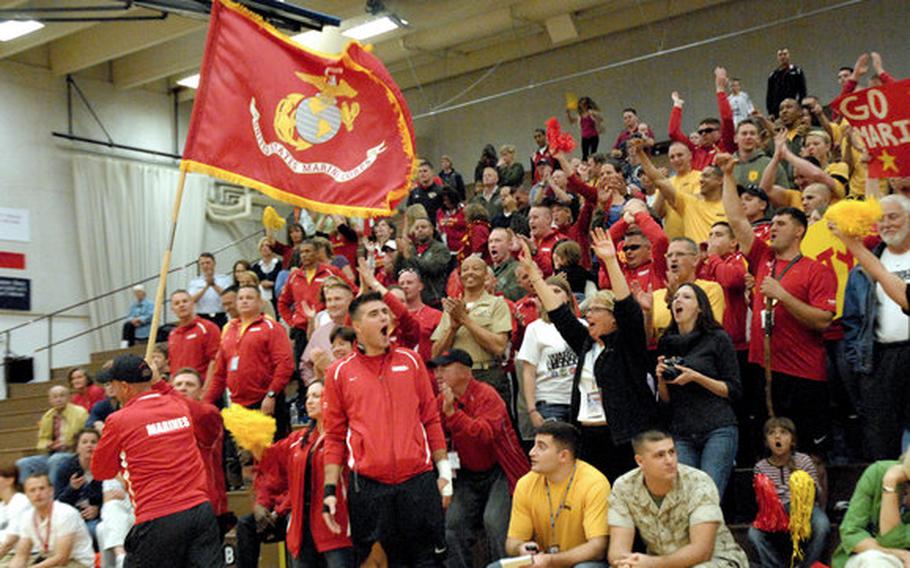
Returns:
<point x="18" y="437"/>
<point x="99" y="357"/>
<point x="23" y="404"/>
<point x="34" y="388"/>
<point x="9" y="455"/>
<point x="28" y="418"/>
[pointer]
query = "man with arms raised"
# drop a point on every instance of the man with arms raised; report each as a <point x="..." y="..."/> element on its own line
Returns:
<point x="381" y="416"/>
<point x="801" y="292"/>
<point x="675" y="509"/>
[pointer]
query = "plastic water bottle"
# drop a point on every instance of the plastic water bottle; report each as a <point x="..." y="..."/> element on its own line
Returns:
<point x="294" y="413"/>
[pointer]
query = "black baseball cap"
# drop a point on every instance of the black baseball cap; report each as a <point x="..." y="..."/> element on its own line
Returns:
<point x="452" y="356"/>
<point x="103" y="376"/>
<point x="131" y="369"/>
<point x="753" y="189"/>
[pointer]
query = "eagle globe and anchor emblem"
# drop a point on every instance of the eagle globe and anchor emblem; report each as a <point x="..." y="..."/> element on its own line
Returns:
<point x="303" y="121"/>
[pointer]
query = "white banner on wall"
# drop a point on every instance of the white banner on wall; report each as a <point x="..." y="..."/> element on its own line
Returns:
<point x="14" y="225"/>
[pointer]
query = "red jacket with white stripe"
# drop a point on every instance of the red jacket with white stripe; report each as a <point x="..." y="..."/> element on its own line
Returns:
<point x="253" y="360"/>
<point x="151" y="440"/>
<point x="194" y="345"/>
<point x="279" y="486"/>
<point x="383" y="409"/>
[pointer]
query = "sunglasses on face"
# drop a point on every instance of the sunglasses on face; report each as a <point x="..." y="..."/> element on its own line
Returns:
<point x="630" y="248"/>
<point x="707" y="130"/>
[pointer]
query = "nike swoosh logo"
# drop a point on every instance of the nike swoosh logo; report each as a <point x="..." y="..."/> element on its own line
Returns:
<point x="818" y="441"/>
<point x="440" y="550"/>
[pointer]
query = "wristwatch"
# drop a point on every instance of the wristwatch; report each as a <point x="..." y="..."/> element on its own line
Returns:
<point x="270" y="394"/>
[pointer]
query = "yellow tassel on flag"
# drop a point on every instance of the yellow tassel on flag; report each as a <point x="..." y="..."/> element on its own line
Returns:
<point x="252" y="430"/>
<point x="802" y="501"/>
<point x="271" y="220"/>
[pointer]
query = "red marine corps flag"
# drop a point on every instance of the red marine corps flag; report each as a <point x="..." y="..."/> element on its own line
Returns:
<point x="329" y="133"/>
<point x="882" y="116"/>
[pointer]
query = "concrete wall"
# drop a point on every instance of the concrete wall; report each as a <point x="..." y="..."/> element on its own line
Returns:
<point x="819" y="44"/>
<point x="36" y="174"/>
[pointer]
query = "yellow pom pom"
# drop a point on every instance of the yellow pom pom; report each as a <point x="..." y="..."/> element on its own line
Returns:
<point x="855" y="218"/>
<point x="271" y="220"/>
<point x="802" y="501"/>
<point x="571" y="101"/>
<point x="252" y="430"/>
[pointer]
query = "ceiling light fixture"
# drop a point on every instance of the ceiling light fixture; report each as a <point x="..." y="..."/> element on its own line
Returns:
<point x="372" y="28"/>
<point x="12" y="29"/>
<point x="191" y="82"/>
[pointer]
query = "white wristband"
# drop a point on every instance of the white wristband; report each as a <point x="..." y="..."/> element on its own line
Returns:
<point x="445" y="472"/>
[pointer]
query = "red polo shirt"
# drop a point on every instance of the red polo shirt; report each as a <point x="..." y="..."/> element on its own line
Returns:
<point x="194" y="345"/>
<point x="545" y="246"/>
<point x="795" y="349"/>
<point x="151" y="440"/>
<point x="253" y="360"/>
<point x="428" y="318"/>
<point x="730" y="272"/>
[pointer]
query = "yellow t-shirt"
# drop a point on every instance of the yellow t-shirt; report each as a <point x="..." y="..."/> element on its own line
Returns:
<point x="689" y="184"/>
<point x="661" y="316"/>
<point x="698" y="215"/>
<point x="584" y="516"/>
<point x="820" y="244"/>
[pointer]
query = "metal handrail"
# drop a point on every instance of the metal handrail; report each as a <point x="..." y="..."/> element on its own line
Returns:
<point x="125" y="286"/>
<point x="50" y="316"/>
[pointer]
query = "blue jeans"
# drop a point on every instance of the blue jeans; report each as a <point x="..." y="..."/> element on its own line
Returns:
<point x="774" y="549"/>
<point x="47" y="463"/>
<point x="713" y="453"/>
<point x="549" y="411"/>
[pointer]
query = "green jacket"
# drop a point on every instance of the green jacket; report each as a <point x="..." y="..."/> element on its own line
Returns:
<point x="861" y="520"/>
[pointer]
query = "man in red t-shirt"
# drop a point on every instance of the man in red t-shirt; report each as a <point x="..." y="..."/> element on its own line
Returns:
<point x="194" y="342"/>
<point x="151" y="441"/>
<point x="644" y="247"/>
<point x="802" y="292"/>
<point x="381" y="419"/>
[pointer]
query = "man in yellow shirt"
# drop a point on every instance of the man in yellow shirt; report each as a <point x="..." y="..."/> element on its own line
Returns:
<point x="559" y="508"/>
<point x="685" y="180"/>
<point x="682" y="257"/>
<point x="697" y="212"/>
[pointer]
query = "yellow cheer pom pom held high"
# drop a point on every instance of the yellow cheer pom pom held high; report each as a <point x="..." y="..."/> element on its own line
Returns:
<point x="855" y="218"/>
<point x="271" y="220"/>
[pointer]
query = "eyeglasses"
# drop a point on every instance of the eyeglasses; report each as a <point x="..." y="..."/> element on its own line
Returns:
<point x="630" y="248"/>
<point x="598" y="309"/>
<point x="707" y="130"/>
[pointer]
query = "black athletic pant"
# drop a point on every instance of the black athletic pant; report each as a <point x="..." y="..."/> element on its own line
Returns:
<point x="189" y="539"/>
<point x="406" y="518"/>
<point x="885" y="400"/>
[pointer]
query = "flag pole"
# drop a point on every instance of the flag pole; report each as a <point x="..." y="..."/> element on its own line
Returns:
<point x="165" y="266"/>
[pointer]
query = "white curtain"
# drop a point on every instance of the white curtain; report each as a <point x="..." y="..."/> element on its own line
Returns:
<point x="123" y="213"/>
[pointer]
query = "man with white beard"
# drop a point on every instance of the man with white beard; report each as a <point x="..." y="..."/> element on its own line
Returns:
<point x="879" y="350"/>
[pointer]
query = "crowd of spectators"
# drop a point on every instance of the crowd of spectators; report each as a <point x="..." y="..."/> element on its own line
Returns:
<point x="565" y="361"/>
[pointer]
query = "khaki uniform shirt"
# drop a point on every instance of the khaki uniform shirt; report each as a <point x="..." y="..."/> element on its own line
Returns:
<point x="665" y="529"/>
